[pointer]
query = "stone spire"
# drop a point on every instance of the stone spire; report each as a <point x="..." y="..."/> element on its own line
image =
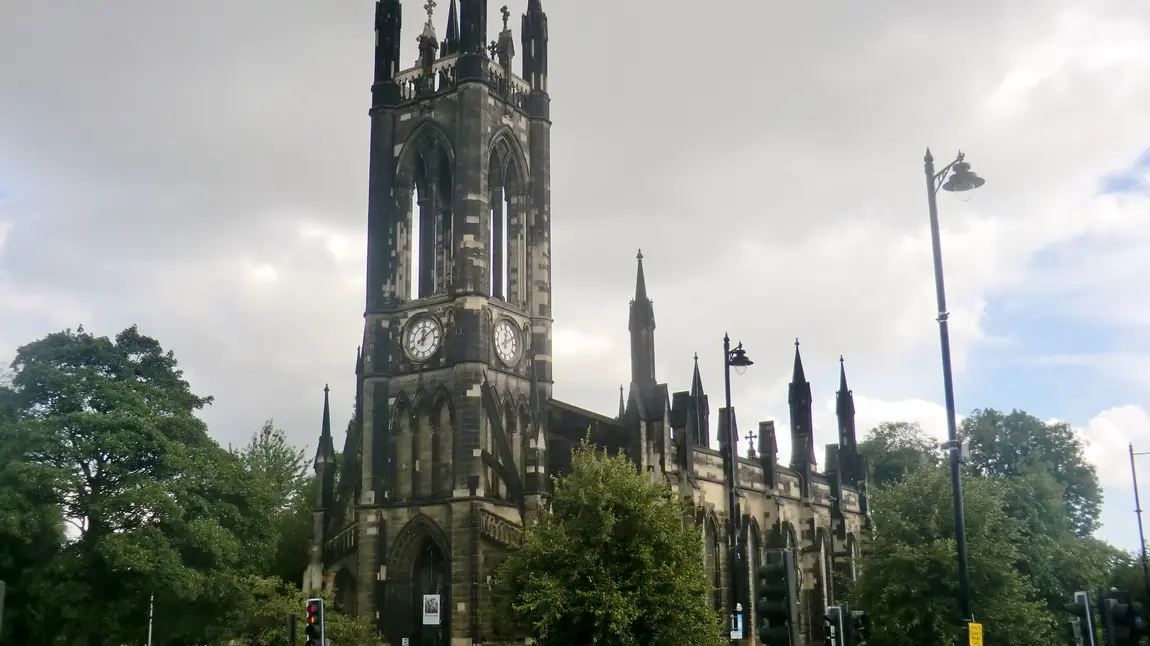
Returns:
<point x="505" y="47"/>
<point x="848" y="441"/>
<point x="451" y="42"/>
<point x="700" y="409"/>
<point x="641" y="324"/>
<point x="388" y="25"/>
<point x="534" y="41"/>
<point x="802" y="419"/>
<point x="324" y="463"/>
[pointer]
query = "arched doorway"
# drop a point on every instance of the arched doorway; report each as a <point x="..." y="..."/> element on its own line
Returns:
<point x="345" y="592"/>
<point x="430" y="576"/>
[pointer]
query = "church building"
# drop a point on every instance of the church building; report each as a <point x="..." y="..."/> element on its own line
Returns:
<point x="456" y="435"/>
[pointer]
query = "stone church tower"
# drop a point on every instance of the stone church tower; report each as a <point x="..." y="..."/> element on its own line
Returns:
<point x="442" y="464"/>
<point x="456" y="434"/>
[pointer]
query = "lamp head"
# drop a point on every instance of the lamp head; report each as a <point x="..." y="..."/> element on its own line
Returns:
<point x="739" y="360"/>
<point x="962" y="179"/>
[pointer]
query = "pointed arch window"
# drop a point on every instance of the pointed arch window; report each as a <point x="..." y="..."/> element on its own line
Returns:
<point x="825" y="569"/>
<point x="754" y="561"/>
<point x="712" y="563"/>
<point x="506" y="243"/>
<point x="425" y="234"/>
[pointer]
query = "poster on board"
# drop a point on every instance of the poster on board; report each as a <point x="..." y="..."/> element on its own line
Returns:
<point x="431" y="610"/>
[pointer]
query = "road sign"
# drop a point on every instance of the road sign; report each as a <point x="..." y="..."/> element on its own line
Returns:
<point x="975" y="633"/>
<point x="737" y="624"/>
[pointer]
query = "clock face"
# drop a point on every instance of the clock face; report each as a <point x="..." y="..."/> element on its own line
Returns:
<point x="505" y="336"/>
<point x="423" y="338"/>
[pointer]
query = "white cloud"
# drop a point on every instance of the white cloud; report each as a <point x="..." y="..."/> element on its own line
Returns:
<point x="777" y="200"/>
<point x="930" y="415"/>
<point x="1108" y="436"/>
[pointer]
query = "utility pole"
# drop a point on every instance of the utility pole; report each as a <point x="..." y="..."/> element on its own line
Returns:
<point x="1138" y="511"/>
<point x="151" y="615"/>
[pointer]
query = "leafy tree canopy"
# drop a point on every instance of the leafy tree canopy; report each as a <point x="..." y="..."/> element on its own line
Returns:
<point x="103" y="437"/>
<point x="1019" y="443"/>
<point x="260" y="618"/>
<point x="614" y="562"/>
<point x="273" y="460"/>
<point x="895" y="450"/>
<point x="910" y="575"/>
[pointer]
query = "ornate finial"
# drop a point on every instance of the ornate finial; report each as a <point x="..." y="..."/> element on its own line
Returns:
<point x="493" y="49"/>
<point x="506" y="15"/>
<point x="841" y="359"/>
<point x="326" y="390"/>
<point x="696" y="357"/>
<point x="750" y="437"/>
<point x="796" y="341"/>
<point x="639" y="256"/>
<point x="429" y="7"/>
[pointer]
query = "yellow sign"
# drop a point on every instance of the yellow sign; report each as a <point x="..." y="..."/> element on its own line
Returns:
<point x="975" y="632"/>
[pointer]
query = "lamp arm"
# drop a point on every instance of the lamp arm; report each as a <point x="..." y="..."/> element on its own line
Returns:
<point x="940" y="176"/>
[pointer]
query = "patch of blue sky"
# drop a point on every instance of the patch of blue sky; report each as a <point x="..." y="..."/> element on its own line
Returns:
<point x="1130" y="180"/>
<point x="1043" y="365"/>
<point x="1119" y="523"/>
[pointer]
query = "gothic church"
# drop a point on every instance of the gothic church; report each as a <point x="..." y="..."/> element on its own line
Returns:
<point x="455" y="435"/>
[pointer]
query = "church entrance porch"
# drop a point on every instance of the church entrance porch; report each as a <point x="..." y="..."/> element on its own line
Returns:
<point x="430" y="588"/>
<point x="417" y="602"/>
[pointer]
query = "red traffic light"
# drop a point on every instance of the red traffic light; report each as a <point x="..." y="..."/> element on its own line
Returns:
<point x="311" y="609"/>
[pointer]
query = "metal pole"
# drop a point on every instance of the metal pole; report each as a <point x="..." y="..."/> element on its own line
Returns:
<point x="3" y="591"/>
<point x="1141" y="536"/>
<point x="732" y="466"/>
<point x="948" y="388"/>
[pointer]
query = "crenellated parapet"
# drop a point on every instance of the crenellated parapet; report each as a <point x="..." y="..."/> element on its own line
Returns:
<point x="440" y="77"/>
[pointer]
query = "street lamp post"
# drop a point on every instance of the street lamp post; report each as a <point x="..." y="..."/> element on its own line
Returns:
<point x="737" y="358"/>
<point x="1138" y="511"/>
<point x="961" y="179"/>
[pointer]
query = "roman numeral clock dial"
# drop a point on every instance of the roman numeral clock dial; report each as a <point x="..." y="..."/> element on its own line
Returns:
<point x="506" y="339"/>
<point x="422" y="338"/>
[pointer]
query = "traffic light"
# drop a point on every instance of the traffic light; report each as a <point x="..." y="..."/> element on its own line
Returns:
<point x="1121" y="618"/>
<point x="833" y="633"/>
<point x="860" y="631"/>
<point x="1083" y="618"/>
<point x="1114" y="606"/>
<point x="777" y="603"/>
<point x="314" y="631"/>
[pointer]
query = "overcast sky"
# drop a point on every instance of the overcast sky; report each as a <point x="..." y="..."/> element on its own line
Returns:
<point x="200" y="169"/>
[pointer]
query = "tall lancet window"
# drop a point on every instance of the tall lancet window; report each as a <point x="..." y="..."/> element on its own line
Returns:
<point x="425" y="181"/>
<point x="505" y="239"/>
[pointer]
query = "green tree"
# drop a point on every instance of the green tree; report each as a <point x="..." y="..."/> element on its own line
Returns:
<point x="1126" y="574"/>
<point x="31" y="532"/>
<point x="273" y="460"/>
<point x="1019" y="443"/>
<point x="909" y="579"/>
<point x="152" y="504"/>
<point x="260" y="618"/>
<point x="1050" y="553"/>
<point x="612" y="563"/>
<point x="894" y="450"/>
<point x="271" y="457"/>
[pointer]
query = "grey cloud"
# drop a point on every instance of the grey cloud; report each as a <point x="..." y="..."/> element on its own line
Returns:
<point x="150" y="148"/>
